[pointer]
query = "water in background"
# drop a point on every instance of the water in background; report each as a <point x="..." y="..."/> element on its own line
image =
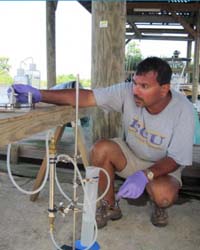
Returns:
<point x="3" y="94"/>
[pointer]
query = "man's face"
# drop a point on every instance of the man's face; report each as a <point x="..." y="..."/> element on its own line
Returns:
<point x="147" y="91"/>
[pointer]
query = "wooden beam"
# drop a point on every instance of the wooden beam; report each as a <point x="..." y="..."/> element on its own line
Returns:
<point x="184" y="23"/>
<point x="163" y="6"/>
<point x="167" y="38"/>
<point x="127" y="41"/>
<point x="17" y="126"/>
<point x="188" y="63"/>
<point x="146" y="19"/>
<point x="108" y="64"/>
<point x="158" y="30"/>
<point x="51" y="42"/>
<point x="179" y="7"/>
<point x="195" y="84"/>
<point x="136" y="30"/>
<point x="189" y="52"/>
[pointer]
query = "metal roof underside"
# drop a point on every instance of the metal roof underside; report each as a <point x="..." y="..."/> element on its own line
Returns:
<point x="160" y="20"/>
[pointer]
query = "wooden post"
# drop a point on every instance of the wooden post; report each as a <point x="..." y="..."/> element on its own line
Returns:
<point x="14" y="153"/>
<point x="195" y="84"/>
<point x="189" y="51"/>
<point x="51" y="42"/>
<point x="82" y="147"/>
<point x="188" y="63"/>
<point x="108" y="56"/>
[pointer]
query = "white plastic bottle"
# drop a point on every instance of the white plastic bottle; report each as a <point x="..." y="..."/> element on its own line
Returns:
<point x="33" y="75"/>
<point x="21" y="77"/>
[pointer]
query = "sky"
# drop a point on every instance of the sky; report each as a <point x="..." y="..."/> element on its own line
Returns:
<point x="23" y="35"/>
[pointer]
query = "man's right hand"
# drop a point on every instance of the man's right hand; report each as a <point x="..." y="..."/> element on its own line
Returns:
<point x="22" y="91"/>
<point x="134" y="186"/>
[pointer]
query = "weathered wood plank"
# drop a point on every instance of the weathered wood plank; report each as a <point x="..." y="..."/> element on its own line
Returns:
<point x="195" y="84"/>
<point x="51" y="42"/>
<point x="108" y="48"/>
<point x="17" y="126"/>
<point x="34" y="147"/>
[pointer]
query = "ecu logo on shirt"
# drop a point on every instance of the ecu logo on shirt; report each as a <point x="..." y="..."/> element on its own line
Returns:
<point x="151" y="138"/>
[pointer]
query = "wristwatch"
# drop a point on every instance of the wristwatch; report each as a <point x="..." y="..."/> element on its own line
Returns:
<point x="150" y="174"/>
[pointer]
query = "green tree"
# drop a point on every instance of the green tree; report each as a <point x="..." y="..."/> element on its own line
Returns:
<point x="4" y="66"/>
<point x="5" y="77"/>
<point x="86" y="83"/>
<point x="65" y="78"/>
<point x="68" y="78"/>
<point x="133" y="56"/>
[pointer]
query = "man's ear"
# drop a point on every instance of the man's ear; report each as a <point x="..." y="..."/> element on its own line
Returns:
<point x="165" y="89"/>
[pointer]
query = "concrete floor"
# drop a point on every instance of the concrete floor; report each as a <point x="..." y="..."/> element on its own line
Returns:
<point x="24" y="224"/>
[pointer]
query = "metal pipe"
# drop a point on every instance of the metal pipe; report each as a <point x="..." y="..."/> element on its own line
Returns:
<point x="75" y="159"/>
<point x="52" y="162"/>
<point x="76" y="118"/>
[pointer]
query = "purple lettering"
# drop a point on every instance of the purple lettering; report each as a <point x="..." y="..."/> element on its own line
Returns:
<point x="135" y="125"/>
<point x="156" y="139"/>
<point x="144" y="133"/>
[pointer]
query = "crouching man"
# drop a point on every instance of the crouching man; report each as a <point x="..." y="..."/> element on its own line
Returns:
<point x="159" y="128"/>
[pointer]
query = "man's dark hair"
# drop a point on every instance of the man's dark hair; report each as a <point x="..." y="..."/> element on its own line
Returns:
<point x="157" y="65"/>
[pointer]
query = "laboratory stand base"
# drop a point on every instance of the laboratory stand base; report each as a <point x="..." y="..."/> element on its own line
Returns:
<point x="65" y="247"/>
<point x="79" y="246"/>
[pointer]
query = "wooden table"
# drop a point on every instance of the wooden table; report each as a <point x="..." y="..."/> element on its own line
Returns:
<point x="15" y="126"/>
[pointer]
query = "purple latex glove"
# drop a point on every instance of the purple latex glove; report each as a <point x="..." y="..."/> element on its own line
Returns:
<point x="22" y="91"/>
<point x="134" y="186"/>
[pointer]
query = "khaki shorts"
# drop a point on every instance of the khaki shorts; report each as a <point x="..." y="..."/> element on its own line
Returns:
<point x="134" y="163"/>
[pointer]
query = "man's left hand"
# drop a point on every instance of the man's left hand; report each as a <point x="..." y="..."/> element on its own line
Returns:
<point x="133" y="186"/>
<point x="22" y="91"/>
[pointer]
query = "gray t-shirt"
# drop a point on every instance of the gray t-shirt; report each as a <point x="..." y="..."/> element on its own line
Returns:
<point x="152" y="137"/>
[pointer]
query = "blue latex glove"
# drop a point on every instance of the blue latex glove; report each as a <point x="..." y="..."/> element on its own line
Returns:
<point x="22" y="91"/>
<point x="133" y="186"/>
